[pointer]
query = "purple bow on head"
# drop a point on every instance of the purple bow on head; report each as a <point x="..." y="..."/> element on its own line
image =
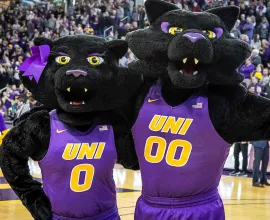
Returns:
<point x="34" y="65"/>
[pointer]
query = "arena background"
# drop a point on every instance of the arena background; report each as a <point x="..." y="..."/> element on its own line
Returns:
<point x="230" y="160"/>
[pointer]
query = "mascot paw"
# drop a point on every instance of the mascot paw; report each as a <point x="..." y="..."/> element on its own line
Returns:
<point x="39" y="206"/>
<point x="25" y="115"/>
<point x="43" y="209"/>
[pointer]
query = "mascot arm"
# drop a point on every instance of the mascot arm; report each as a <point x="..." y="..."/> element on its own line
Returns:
<point x="29" y="138"/>
<point x="127" y="156"/>
<point x="132" y="108"/>
<point x="250" y="120"/>
<point x="123" y="141"/>
<point x="123" y="136"/>
<point x="238" y="115"/>
<point x="27" y="114"/>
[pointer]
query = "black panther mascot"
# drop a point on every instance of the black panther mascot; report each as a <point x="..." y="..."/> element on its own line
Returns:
<point x="78" y="143"/>
<point x="184" y="123"/>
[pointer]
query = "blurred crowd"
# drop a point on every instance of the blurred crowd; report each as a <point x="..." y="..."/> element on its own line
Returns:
<point x="113" y="19"/>
<point x="20" y="25"/>
<point x="16" y="101"/>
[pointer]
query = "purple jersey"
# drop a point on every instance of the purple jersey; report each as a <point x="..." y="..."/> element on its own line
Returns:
<point x="179" y="150"/>
<point x="77" y="171"/>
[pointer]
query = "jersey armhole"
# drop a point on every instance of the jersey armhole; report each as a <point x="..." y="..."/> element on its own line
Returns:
<point x="211" y="123"/>
<point x="52" y="115"/>
<point x="147" y="96"/>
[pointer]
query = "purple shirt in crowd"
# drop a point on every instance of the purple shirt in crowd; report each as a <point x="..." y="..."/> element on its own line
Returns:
<point x="247" y="70"/>
<point x="248" y="29"/>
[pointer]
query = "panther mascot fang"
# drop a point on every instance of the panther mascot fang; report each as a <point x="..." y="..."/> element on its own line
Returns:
<point x="78" y="143"/>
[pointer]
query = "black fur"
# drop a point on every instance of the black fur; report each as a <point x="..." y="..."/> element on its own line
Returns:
<point x="100" y="81"/>
<point x="108" y="87"/>
<point x="25" y="140"/>
<point x="236" y="114"/>
<point x="217" y="56"/>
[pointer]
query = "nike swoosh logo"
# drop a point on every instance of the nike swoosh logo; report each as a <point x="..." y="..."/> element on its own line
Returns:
<point x="60" y="131"/>
<point x="152" y="100"/>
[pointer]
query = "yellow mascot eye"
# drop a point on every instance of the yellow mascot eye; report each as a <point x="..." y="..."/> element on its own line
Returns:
<point x="209" y="34"/>
<point x="62" y="60"/>
<point x="175" y="30"/>
<point x="95" y="60"/>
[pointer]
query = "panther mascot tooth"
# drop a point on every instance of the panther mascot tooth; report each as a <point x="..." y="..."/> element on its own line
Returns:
<point x="78" y="143"/>
<point x="184" y="123"/>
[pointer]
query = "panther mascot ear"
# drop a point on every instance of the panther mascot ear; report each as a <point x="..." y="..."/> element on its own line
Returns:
<point x="46" y="81"/>
<point x="118" y="47"/>
<point x="228" y="15"/>
<point x="156" y="8"/>
<point x="38" y="41"/>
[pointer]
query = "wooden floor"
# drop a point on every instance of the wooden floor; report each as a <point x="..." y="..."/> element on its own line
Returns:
<point x="242" y="201"/>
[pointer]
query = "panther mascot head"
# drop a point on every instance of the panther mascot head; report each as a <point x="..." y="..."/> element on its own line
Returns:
<point x="78" y="75"/>
<point x="190" y="48"/>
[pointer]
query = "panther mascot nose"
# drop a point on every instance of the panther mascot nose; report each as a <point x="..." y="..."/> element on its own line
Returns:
<point x="193" y="36"/>
<point x="76" y="73"/>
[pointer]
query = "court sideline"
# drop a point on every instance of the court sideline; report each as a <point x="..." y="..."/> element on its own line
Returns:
<point x="241" y="200"/>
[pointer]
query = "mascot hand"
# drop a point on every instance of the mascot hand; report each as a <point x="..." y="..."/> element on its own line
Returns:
<point x="27" y="114"/>
<point x="40" y="208"/>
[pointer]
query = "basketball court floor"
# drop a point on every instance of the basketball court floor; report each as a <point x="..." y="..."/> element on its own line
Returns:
<point x="242" y="201"/>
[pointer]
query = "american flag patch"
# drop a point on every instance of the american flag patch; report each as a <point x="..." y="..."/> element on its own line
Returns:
<point x="198" y="105"/>
<point x="103" y="128"/>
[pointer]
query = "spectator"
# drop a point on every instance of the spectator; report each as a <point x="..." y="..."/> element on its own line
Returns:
<point x="235" y="31"/>
<point x="264" y="32"/>
<point x="267" y="14"/>
<point x="265" y="79"/>
<point x="128" y="8"/>
<point x="135" y="26"/>
<point x="196" y="7"/>
<point x="141" y="16"/>
<point x="64" y="31"/>
<point x="261" y="151"/>
<point x="246" y="70"/>
<point x="256" y="42"/>
<point x="3" y="109"/>
<point x="22" y="107"/>
<point x="30" y="29"/>
<point x="119" y="11"/>
<point x="85" y="19"/>
<point x="248" y="29"/>
<point x="255" y="81"/>
<point x="261" y="7"/>
<point x="255" y="58"/>
<point x="251" y="89"/>
<point x="16" y="26"/>
<point x="265" y="52"/>
<point x="52" y="22"/>
<point x="240" y="147"/>
<point x="245" y="38"/>
<point x="7" y="101"/>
